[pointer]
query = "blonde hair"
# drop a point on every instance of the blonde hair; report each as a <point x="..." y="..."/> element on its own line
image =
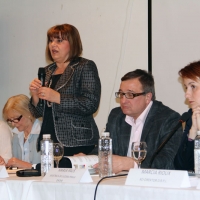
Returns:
<point x="18" y="103"/>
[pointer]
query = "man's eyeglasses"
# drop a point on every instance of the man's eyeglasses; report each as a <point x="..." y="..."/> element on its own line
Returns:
<point x="128" y="95"/>
<point x="16" y="120"/>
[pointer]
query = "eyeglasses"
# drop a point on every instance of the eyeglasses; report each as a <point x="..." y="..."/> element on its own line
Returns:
<point x="128" y="95"/>
<point x="16" y="120"/>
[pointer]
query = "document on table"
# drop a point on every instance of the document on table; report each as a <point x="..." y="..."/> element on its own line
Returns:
<point x="84" y="162"/>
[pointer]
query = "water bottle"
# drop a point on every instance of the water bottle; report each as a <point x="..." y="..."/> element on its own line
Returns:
<point x="47" y="159"/>
<point x="197" y="153"/>
<point x="105" y="155"/>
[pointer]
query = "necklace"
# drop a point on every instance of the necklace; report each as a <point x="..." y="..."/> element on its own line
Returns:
<point x="26" y="137"/>
<point x="49" y="104"/>
<point x="52" y="82"/>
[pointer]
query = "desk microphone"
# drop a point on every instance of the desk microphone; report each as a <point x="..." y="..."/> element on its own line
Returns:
<point x="41" y="77"/>
<point x="185" y="116"/>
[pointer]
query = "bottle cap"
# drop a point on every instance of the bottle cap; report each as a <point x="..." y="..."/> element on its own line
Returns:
<point x="105" y="134"/>
<point x="46" y="136"/>
<point x="198" y="132"/>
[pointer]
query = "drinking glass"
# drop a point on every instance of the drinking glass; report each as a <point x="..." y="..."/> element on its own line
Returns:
<point x="58" y="152"/>
<point x="139" y="152"/>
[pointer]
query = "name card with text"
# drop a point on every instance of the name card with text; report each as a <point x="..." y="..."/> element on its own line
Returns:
<point x="3" y="172"/>
<point x="158" y="178"/>
<point x="68" y="175"/>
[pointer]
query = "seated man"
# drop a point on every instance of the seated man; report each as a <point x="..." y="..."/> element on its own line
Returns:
<point x="141" y="118"/>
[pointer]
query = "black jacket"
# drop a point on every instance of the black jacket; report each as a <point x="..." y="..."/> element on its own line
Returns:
<point x="184" y="159"/>
<point x="159" y="123"/>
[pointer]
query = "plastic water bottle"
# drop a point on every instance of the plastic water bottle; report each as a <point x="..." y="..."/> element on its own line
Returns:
<point x="47" y="159"/>
<point x="105" y="155"/>
<point x="197" y="153"/>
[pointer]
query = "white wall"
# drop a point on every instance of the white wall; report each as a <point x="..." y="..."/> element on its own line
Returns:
<point x="113" y="32"/>
<point x="176" y="43"/>
<point x="114" y="35"/>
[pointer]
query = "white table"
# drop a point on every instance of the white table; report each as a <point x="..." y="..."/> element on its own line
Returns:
<point x="18" y="188"/>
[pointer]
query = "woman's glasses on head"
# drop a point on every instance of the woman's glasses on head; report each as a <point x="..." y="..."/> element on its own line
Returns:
<point x="15" y="120"/>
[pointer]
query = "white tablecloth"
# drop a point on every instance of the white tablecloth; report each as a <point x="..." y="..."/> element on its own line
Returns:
<point x="18" y="188"/>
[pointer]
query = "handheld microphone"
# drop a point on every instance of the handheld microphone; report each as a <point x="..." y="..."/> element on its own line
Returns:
<point x="185" y="116"/>
<point x="41" y="77"/>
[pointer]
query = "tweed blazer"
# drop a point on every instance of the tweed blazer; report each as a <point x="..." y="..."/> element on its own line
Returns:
<point x="159" y="123"/>
<point x="80" y="89"/>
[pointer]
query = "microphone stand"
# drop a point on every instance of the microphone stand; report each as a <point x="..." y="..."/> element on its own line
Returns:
<point x="185" y="116"/>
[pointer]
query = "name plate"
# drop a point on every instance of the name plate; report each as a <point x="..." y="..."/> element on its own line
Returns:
<point x="3" y="172"/>
<point x="158" y="178"/>
<point x="68" y="175"/>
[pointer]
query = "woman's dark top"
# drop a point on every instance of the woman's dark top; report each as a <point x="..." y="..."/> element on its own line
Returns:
<point x="184" y="159"/>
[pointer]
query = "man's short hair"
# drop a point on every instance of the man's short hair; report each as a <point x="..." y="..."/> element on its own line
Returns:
<point x="145" y="78"/>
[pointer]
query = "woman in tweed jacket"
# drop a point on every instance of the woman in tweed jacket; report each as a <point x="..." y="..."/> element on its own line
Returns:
<point x="71" y="93"/>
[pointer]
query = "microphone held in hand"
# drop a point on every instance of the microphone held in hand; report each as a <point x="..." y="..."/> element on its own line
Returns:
<point x="41" y="77"/>
<point x="185" y="116"/>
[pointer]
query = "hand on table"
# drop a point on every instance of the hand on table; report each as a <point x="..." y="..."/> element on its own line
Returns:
<point x="120" y="163"/>
<point x="15" y="162"/>
<point x="80" y="154"/>
<point x="2" y="162"/>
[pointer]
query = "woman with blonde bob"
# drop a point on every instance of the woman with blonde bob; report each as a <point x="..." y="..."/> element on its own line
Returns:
<point x="26" y="130"/>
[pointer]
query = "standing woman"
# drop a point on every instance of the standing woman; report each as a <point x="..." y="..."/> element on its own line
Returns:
<point x="190" y="75"/>
<point x="71" y="94"/>
<point x="25" y="133"/>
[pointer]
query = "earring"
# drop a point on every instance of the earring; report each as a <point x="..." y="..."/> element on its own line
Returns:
<point x="30" y="118"/>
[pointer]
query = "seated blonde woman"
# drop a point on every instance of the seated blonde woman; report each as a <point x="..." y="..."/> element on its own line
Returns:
<point x="25" y="133"/>
<point x="5" y="143"/>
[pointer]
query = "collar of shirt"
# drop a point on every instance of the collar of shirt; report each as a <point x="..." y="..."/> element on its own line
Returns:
<point x="141" y="118"/>
<point x="25" y="145"/>
<point x="137" y="127"/>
